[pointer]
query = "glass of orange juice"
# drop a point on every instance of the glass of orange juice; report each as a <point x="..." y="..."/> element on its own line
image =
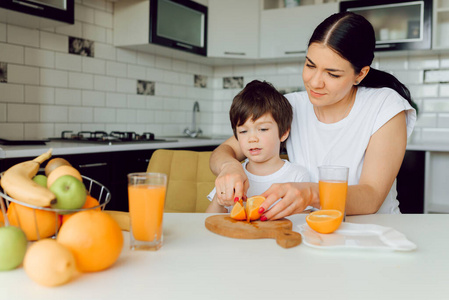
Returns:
<point x="146" y="196"/>
<point x="333" y="187"/>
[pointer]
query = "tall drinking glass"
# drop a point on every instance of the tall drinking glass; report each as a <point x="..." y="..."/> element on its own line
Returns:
<point x="146" y="195"/>
<point x="333" y="187"/>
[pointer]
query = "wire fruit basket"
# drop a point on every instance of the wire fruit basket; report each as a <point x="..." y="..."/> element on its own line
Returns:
<point x="31" y="215"/>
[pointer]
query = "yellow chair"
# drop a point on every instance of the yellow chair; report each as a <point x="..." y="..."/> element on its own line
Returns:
<point x="189" y="178"/>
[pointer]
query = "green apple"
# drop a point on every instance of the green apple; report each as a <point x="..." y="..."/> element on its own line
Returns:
<point x="13" y="246"/>
<point x="41" y="180"/>
<point x="70" y="193"/>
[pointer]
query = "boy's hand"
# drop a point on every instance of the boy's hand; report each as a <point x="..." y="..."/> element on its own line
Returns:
<point x="231" y="183"/>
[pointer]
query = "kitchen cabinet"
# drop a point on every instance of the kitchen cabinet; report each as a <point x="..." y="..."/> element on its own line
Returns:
<point x="37" y="13"/>
<point x="285" y="32"/>
<point x="108" y="168"/>
<point x="411" y="182"/>
<point x="440" y="24"/>
<point x="233" y="29"/>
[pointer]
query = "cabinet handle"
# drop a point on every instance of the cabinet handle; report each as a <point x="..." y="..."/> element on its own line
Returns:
<point x="234" y="53"/>
<point x="93" y="165"/>
<point x="294" y="52"/>
<point x="385" y="46"/>
<point x="28" y="4"/>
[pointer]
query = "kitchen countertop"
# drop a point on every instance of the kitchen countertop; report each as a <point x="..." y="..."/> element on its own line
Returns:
<point x="195" y="263"/>
<point x="64" y="148"/>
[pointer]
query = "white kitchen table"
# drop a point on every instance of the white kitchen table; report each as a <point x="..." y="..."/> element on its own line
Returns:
<point x="195" y="263"/>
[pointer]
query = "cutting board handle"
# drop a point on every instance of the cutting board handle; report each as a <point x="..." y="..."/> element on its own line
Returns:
<point x="287" y="238"/>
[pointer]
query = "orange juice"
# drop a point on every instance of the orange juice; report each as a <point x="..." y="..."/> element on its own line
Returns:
<point x="333" y="194"/>
<point x="146" y="209"/>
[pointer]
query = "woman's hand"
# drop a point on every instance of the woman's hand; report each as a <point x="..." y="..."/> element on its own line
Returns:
<point x="296" y="196"/>
<point x="231" y="183"/>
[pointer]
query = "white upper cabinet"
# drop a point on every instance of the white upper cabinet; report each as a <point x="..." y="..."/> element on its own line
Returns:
<point x="285" y="32"/>
<point x="233" y="28"/>
<point x="440" y="24"/>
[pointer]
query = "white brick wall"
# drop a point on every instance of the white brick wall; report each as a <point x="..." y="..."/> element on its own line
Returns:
<point x="50" y="90"/>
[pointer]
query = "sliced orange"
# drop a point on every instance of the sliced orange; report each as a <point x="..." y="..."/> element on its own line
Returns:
<point x="238" y="211"/>
<point x="252" y="208"/>
<point x="325" y="221"/>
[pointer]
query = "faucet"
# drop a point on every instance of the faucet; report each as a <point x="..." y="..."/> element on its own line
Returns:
<point x="194" y="132"/>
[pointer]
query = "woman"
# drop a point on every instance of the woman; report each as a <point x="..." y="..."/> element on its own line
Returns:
<point x="350" y="114"/>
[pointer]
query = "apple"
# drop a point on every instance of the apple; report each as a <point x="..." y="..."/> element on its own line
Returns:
<point x="13" y="246"/>
<point x="41" y="180"/>
<point x="70" y="193"/>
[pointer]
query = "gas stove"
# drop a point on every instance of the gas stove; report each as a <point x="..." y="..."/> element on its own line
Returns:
<point x="114" y="137"/>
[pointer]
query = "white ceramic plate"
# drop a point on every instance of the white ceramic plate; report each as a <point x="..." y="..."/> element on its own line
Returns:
<point x="362" y="236"/>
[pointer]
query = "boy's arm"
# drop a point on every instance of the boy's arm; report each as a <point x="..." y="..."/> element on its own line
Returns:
<point x="214" y="207"/>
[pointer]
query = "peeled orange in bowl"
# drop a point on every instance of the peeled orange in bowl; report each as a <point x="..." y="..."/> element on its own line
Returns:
<point x="325" y="221"/>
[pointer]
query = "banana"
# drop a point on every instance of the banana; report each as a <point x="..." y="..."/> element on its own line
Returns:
<point x="121" y="217"/>
<point x="17" y="182"/>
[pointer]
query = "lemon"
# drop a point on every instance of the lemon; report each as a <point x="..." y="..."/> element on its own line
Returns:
<point x="49" y="263"/>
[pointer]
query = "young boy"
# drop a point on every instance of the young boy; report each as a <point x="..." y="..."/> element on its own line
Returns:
<point x="261" y="118"/>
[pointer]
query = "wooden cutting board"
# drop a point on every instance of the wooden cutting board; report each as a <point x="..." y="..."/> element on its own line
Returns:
<point x="281" y="230"/>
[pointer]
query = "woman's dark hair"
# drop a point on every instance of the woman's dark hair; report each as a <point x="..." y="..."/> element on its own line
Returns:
<point x="257" y="99"/>
<point x="352" y="37"/>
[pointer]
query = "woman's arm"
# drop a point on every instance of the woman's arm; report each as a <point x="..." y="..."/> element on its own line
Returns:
<point x="383" y="159"/>
<point x="231" y="181"/>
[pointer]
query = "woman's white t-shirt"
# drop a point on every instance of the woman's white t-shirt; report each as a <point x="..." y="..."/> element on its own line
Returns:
<point x="313" y="143"/>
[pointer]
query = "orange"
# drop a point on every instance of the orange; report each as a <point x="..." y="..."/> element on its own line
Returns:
<point x="94" y="238"/>
<point x="252" y="207"/>
<point x="63" y="170"/>
<point x="238" y="211"/>
<point x="90" y="202"/>
<point x="27" y="218"/>
<point x="325" y="221"/>
<point x="2" y="218"/>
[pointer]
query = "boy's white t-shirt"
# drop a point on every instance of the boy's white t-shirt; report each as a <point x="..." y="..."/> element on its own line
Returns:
<point x="289" y="172"/>
<point x="312" y="143"/>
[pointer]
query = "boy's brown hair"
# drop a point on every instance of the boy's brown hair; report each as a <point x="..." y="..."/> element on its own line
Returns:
<point x="257" y="99"/>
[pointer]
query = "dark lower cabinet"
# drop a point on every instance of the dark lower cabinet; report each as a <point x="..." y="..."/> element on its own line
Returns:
<point x="410" y="183"/>
<point x="108" y="168"/>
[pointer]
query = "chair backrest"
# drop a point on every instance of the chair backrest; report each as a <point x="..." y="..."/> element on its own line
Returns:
<point x="190" y="179"/>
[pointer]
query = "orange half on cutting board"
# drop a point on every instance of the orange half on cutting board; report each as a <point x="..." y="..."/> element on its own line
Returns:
<point x="238" y="211"/>
<point x="252" y="208"/>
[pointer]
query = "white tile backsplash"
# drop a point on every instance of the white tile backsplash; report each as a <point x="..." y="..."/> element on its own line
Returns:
<point x="39" y="95"/>
<point x="22" y="113"/>
<point x="50" y="90"/>
<point x="69" y="62"/>
<point x="22" y="36"/>
<point x="56" y="78"/>
<point x="81" y="80"/>
<point x="81" y="114"/>
<point x="2" y="32"/>
<point x="39" y="57"/>
<point x="52" y="41"/>
<point x="11" y="53"/>
<point x="69" y="97"/>
<point x="2" y="113"/>
<point x="11" y="93"/>
<point x="23" y="74"/>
